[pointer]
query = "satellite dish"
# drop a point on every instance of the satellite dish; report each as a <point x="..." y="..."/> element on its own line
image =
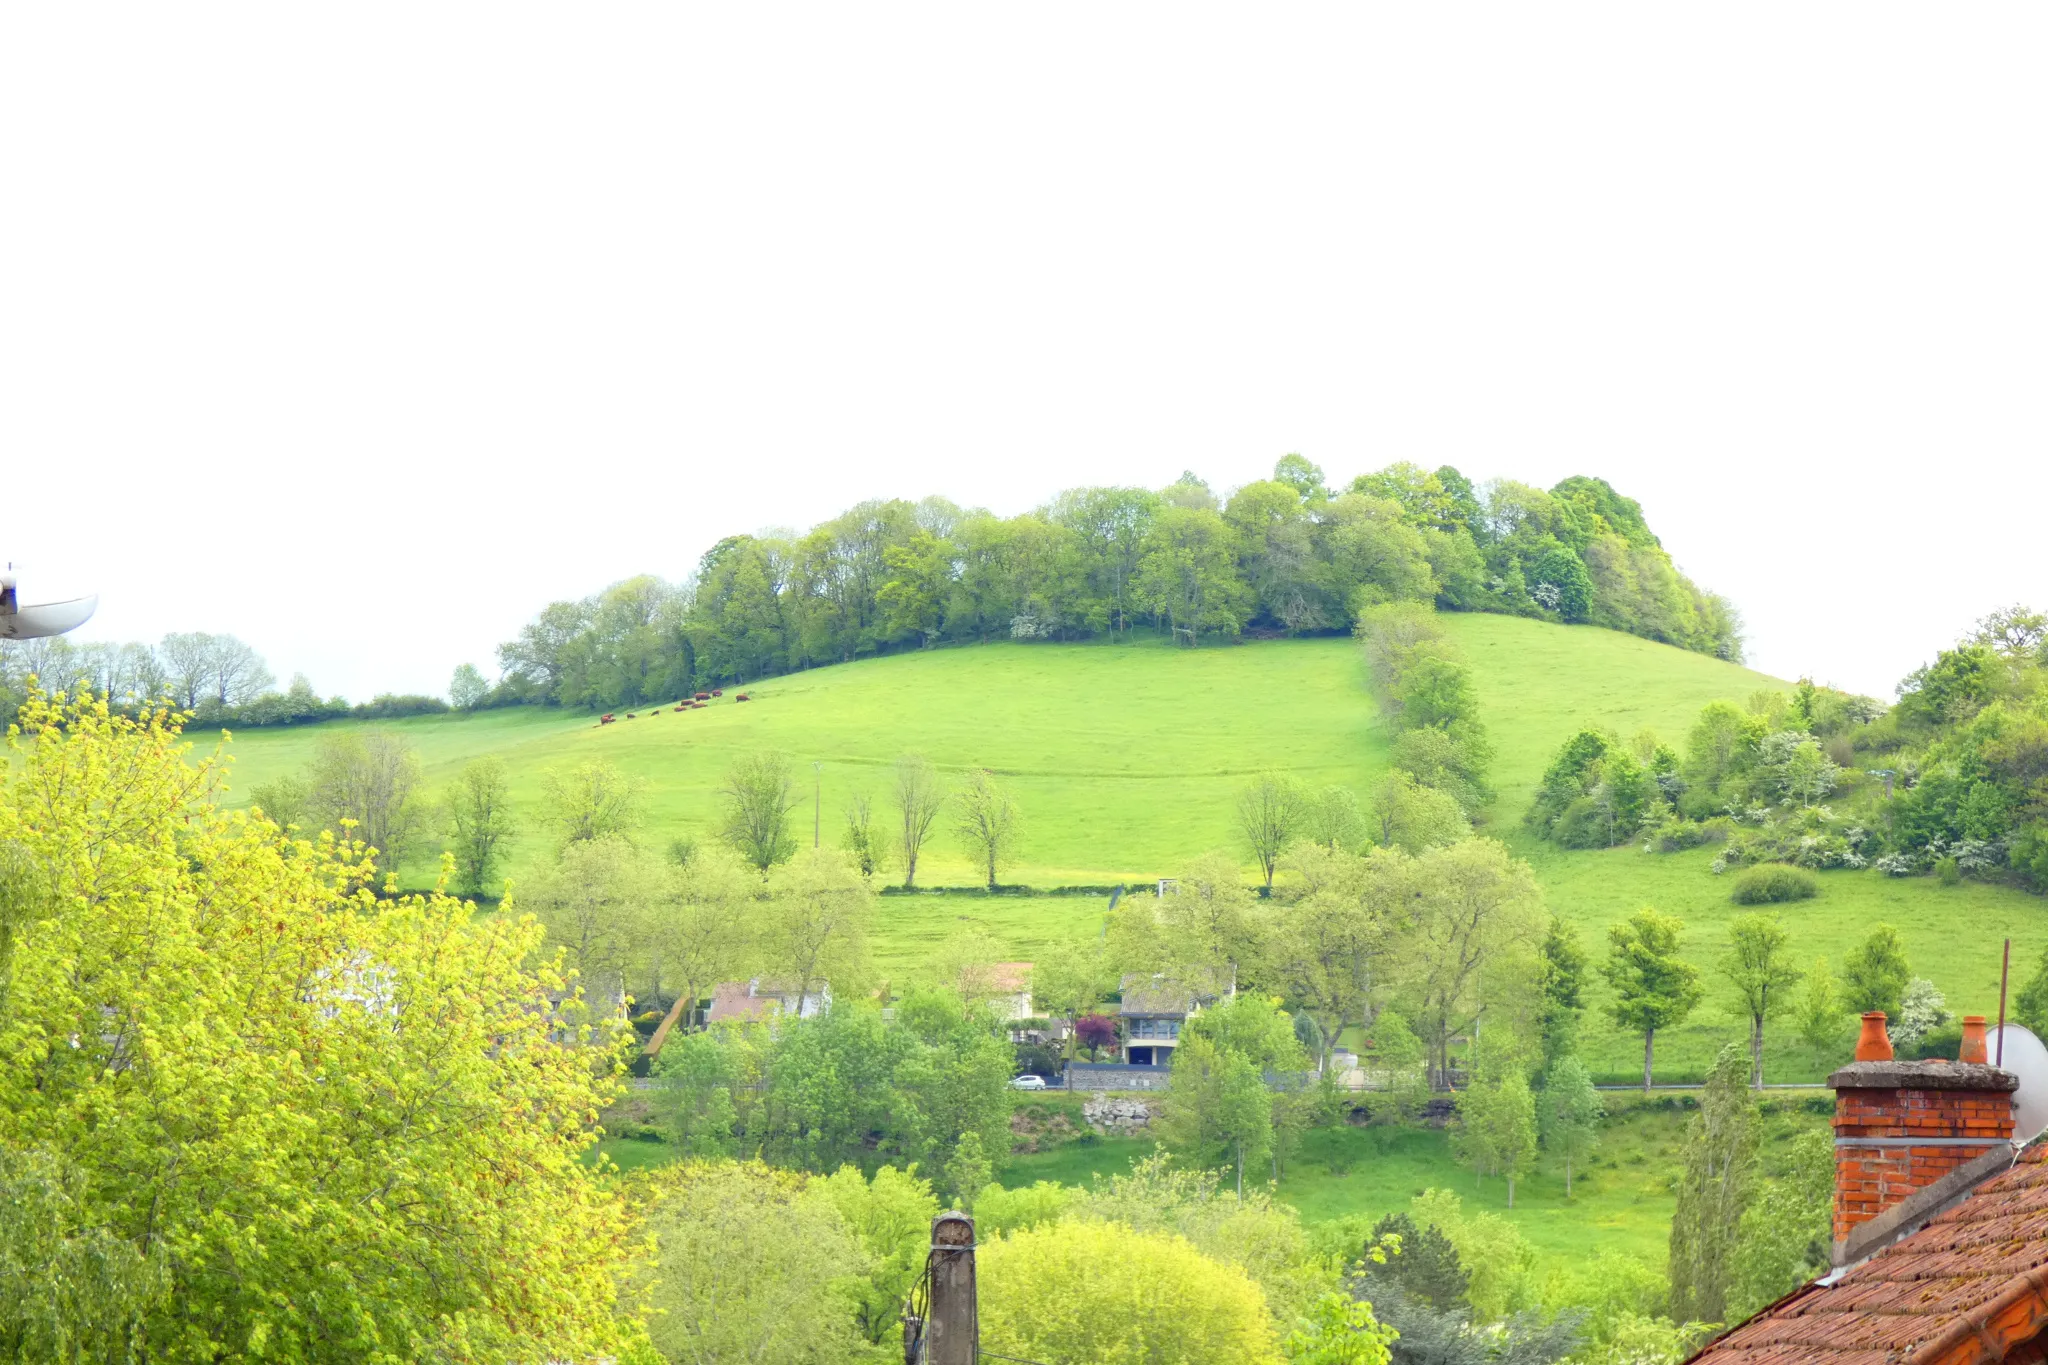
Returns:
<point x="32" y="620"/>
<point x="2026" y="1058"/>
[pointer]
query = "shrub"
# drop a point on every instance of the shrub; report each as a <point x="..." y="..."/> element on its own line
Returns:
<point x="1775" y="882"/>
<point x="1948" y="871"/>
<point x="1676" y="835"/>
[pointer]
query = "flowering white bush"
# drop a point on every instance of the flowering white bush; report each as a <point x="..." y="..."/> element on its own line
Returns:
<point x="1718" y="866"/>
<point x="1897" y="865"/>
<point x="1978" y="855"/>
<point x="1547" y="595"/>
<point x="1923" y="1009"/>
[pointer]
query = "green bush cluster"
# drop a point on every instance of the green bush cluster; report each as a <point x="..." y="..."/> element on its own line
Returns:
<point x="1774" y="883"/>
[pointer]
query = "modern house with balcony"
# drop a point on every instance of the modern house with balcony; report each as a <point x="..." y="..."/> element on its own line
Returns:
<point x="1154" y="1010"/>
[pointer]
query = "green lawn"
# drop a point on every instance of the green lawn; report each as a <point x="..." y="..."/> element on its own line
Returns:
<point x="1127" y="759"/>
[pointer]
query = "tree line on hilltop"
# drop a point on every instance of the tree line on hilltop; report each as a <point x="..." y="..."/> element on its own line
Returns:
<point x="1281" y="556"/>
<point x="216" y="679"/>
<point x="1287" y="555"/>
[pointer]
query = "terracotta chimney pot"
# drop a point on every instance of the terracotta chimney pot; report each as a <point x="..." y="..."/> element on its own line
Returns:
<point x="1875" y="1045"/>
<point x="1973" y="1040"/>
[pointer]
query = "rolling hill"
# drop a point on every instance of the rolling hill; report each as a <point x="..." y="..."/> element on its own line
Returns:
<point x="1127" y="759"/>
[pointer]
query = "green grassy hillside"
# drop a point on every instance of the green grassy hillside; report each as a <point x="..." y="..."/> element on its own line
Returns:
<point x="1127" y="760"/>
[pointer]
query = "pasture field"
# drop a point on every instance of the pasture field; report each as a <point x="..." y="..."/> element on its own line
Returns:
<point x="1127" y="759"/>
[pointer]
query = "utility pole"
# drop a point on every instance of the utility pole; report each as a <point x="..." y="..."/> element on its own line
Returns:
<point x="817" y="799"/>
<point x="953" y="1336"/>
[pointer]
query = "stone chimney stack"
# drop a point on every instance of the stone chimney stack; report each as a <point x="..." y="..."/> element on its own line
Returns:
<point x="1902" y="1128"/>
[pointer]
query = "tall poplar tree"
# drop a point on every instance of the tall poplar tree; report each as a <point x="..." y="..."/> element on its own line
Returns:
<point x="1713" y="1191"/>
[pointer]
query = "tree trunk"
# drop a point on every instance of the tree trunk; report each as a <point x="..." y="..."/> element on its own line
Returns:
<point x="1240" y="1169"/>
<point x="1567" y="1175"/>
<point x="1649" y="1051"/>
<point x="1511" y="1191"/>
<point x="1756" y="1052"/>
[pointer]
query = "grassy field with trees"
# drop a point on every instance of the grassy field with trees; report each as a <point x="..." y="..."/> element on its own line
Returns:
<point x="1126" y="761"/>
<point x="1126" y="758"/>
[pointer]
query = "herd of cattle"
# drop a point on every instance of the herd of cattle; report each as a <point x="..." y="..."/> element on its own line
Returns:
<point x="696" y="703"/>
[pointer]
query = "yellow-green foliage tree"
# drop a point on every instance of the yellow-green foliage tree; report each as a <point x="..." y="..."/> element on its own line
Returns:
<point x="282" y="1118"/>
<point x="1103" y="1293"/>
<point x="750" y="1263"/>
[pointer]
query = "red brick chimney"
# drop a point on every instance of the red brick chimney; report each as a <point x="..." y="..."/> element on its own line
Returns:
<point x="1901" y="1127"/>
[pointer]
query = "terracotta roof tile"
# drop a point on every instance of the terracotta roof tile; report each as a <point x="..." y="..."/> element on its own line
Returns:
<point x="1961" y="1291"/>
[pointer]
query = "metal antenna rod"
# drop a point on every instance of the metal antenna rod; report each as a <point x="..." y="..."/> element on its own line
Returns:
<point x="2004" y="971"/>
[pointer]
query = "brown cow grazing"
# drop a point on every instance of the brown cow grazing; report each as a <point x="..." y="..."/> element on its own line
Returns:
<point x="717" y="691"/>
<point x="741" y="697"/>
<point x="606" y="719"/>
<point x="702" y="696"/>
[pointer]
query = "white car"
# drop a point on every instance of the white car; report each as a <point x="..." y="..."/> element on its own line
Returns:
<point x="1028" y="1082"/>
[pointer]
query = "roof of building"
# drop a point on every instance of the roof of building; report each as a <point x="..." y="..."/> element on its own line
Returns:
<point x="737" y="1000"/>
<point x="1966" y="1289"/>
<point x="1011" y="978"/>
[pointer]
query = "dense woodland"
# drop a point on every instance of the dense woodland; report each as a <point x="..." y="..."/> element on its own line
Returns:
<point x="1282" y="556"/>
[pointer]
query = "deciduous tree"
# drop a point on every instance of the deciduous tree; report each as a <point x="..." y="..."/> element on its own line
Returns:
<point x="1329" y="942"/>
<point x="919" y="797"/>
<point x="1569" y="1114"/>
<point x="1653" y="986"/>
<point x="703" y="926"/>
<point x="1269" y="815"/>
<point x="1187" y="574"/>
<point x="1471" y="918"/>
<point x="467" y="688"/>
<point x="373" y="778"/>
<point x="1820" y="1006"/>
<point x="593" y="800"/>
<point x="246" y="1018"/>
<point x="1564" y="973"/>
<point x="1216" y="1108"/>
<point x="1759" y="966"/>
<point x="599" y="900"/>
<point x="1412" y="817"/>
<point x="1876" y="973"/>
<point x="1209" y="928"/>
<point x="479" y="814"/>
<point x="748" y="1264"/>
<point x="1497" y="1121"/>
<point x="862" y="838"/>
<point x="988" y="820"/>
<point x="820" y="913"/>
<point x="1194" y="1308"/>
<point x="759" y="794"/>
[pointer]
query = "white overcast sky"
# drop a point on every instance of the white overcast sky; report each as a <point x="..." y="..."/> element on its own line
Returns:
<point x="362" y="331"/>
